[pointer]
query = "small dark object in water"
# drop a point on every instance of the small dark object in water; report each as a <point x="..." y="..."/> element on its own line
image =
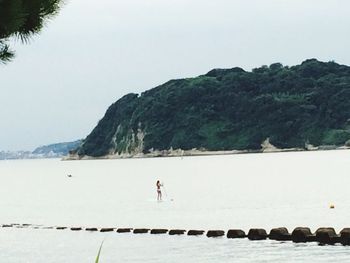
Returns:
<point x="159" y="231"/>
<point x="345" y="236"/>
<point x="141" y="230"/>
<point x="106" y="229"/>
<point x="327" y="235"/>
<point x="124" y="230"/>
<point x="177" y="232"/>
<point x="215" y="233"/>
<point x="280" y="234"/>
<point x="91" y="229"/>
<point x="302" y="235"/>
<point x="236" y="233"/>
<point x="257" y="234"/>
<point x="195" y="232"/>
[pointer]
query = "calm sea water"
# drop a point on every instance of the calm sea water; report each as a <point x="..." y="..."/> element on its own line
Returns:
<point x="214" y="192"/>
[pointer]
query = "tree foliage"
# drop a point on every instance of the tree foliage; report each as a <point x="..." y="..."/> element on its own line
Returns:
<point x="22" y="19"/>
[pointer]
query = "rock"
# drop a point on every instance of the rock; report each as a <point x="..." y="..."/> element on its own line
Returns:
<point x="266" y="146"/>
<point x="326" y="235"/>
<point x="106" y="229"/>
<point x="345" y="236"/>
<point x="347" y="143"/>
<point x="75" y="228"/>
<point x="257" y="234"/>
<point x="124" y="230"/>
<point x="177" y="232"/>
<point x="61" y="227"/>
<point x="280" y="234"/>
<point x="91" y="229"/>
<point x="159" y="231"/>
<point x="236" y="233"/>
<point x="215" y="233"/>
<point x="302" y="235"/>
<point x="195" y="232"/>
<point x="141" y="230"/>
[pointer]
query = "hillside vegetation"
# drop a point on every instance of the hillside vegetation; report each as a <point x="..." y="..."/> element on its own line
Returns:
<point x="231" y="109"/>
<point x="57" y="149"/>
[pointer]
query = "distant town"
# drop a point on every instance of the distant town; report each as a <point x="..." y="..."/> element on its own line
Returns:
<point x="56" y="150"/>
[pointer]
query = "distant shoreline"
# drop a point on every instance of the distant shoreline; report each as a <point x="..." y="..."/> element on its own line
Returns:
<point x="196" y="152"/>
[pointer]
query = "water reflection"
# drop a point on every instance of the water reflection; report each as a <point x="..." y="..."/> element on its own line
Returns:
<point x="22" y="19"/>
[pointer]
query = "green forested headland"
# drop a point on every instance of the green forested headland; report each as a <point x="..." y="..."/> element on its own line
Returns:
<point x="231" y="109"/>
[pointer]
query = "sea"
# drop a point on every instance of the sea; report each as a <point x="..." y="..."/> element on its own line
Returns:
<point x="241" y="191"/>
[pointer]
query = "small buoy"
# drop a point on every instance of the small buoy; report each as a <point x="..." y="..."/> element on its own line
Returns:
<point x="331" y="206"/>
<point x="69" y="175"/>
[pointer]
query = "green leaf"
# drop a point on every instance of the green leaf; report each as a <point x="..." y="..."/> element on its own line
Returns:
<point x="98" y="255"/>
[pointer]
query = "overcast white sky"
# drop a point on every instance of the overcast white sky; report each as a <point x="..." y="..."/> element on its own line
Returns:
<point x="94" y="52"/>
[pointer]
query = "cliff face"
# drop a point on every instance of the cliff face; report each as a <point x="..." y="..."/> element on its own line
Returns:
<point x="231" y="109"/>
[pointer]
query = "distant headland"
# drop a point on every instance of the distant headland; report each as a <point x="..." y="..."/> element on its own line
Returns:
<point x="56" y="150"/>
<point x="271" y="108"/>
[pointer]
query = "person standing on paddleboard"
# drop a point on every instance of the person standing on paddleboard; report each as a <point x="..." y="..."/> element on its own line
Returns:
<point x="159" y="191"/>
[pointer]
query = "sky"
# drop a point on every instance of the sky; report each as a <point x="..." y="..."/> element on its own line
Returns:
<point x="93" y="52"/>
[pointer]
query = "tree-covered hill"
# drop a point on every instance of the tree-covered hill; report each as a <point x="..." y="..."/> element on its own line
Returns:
<point x="231" y="109"/>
